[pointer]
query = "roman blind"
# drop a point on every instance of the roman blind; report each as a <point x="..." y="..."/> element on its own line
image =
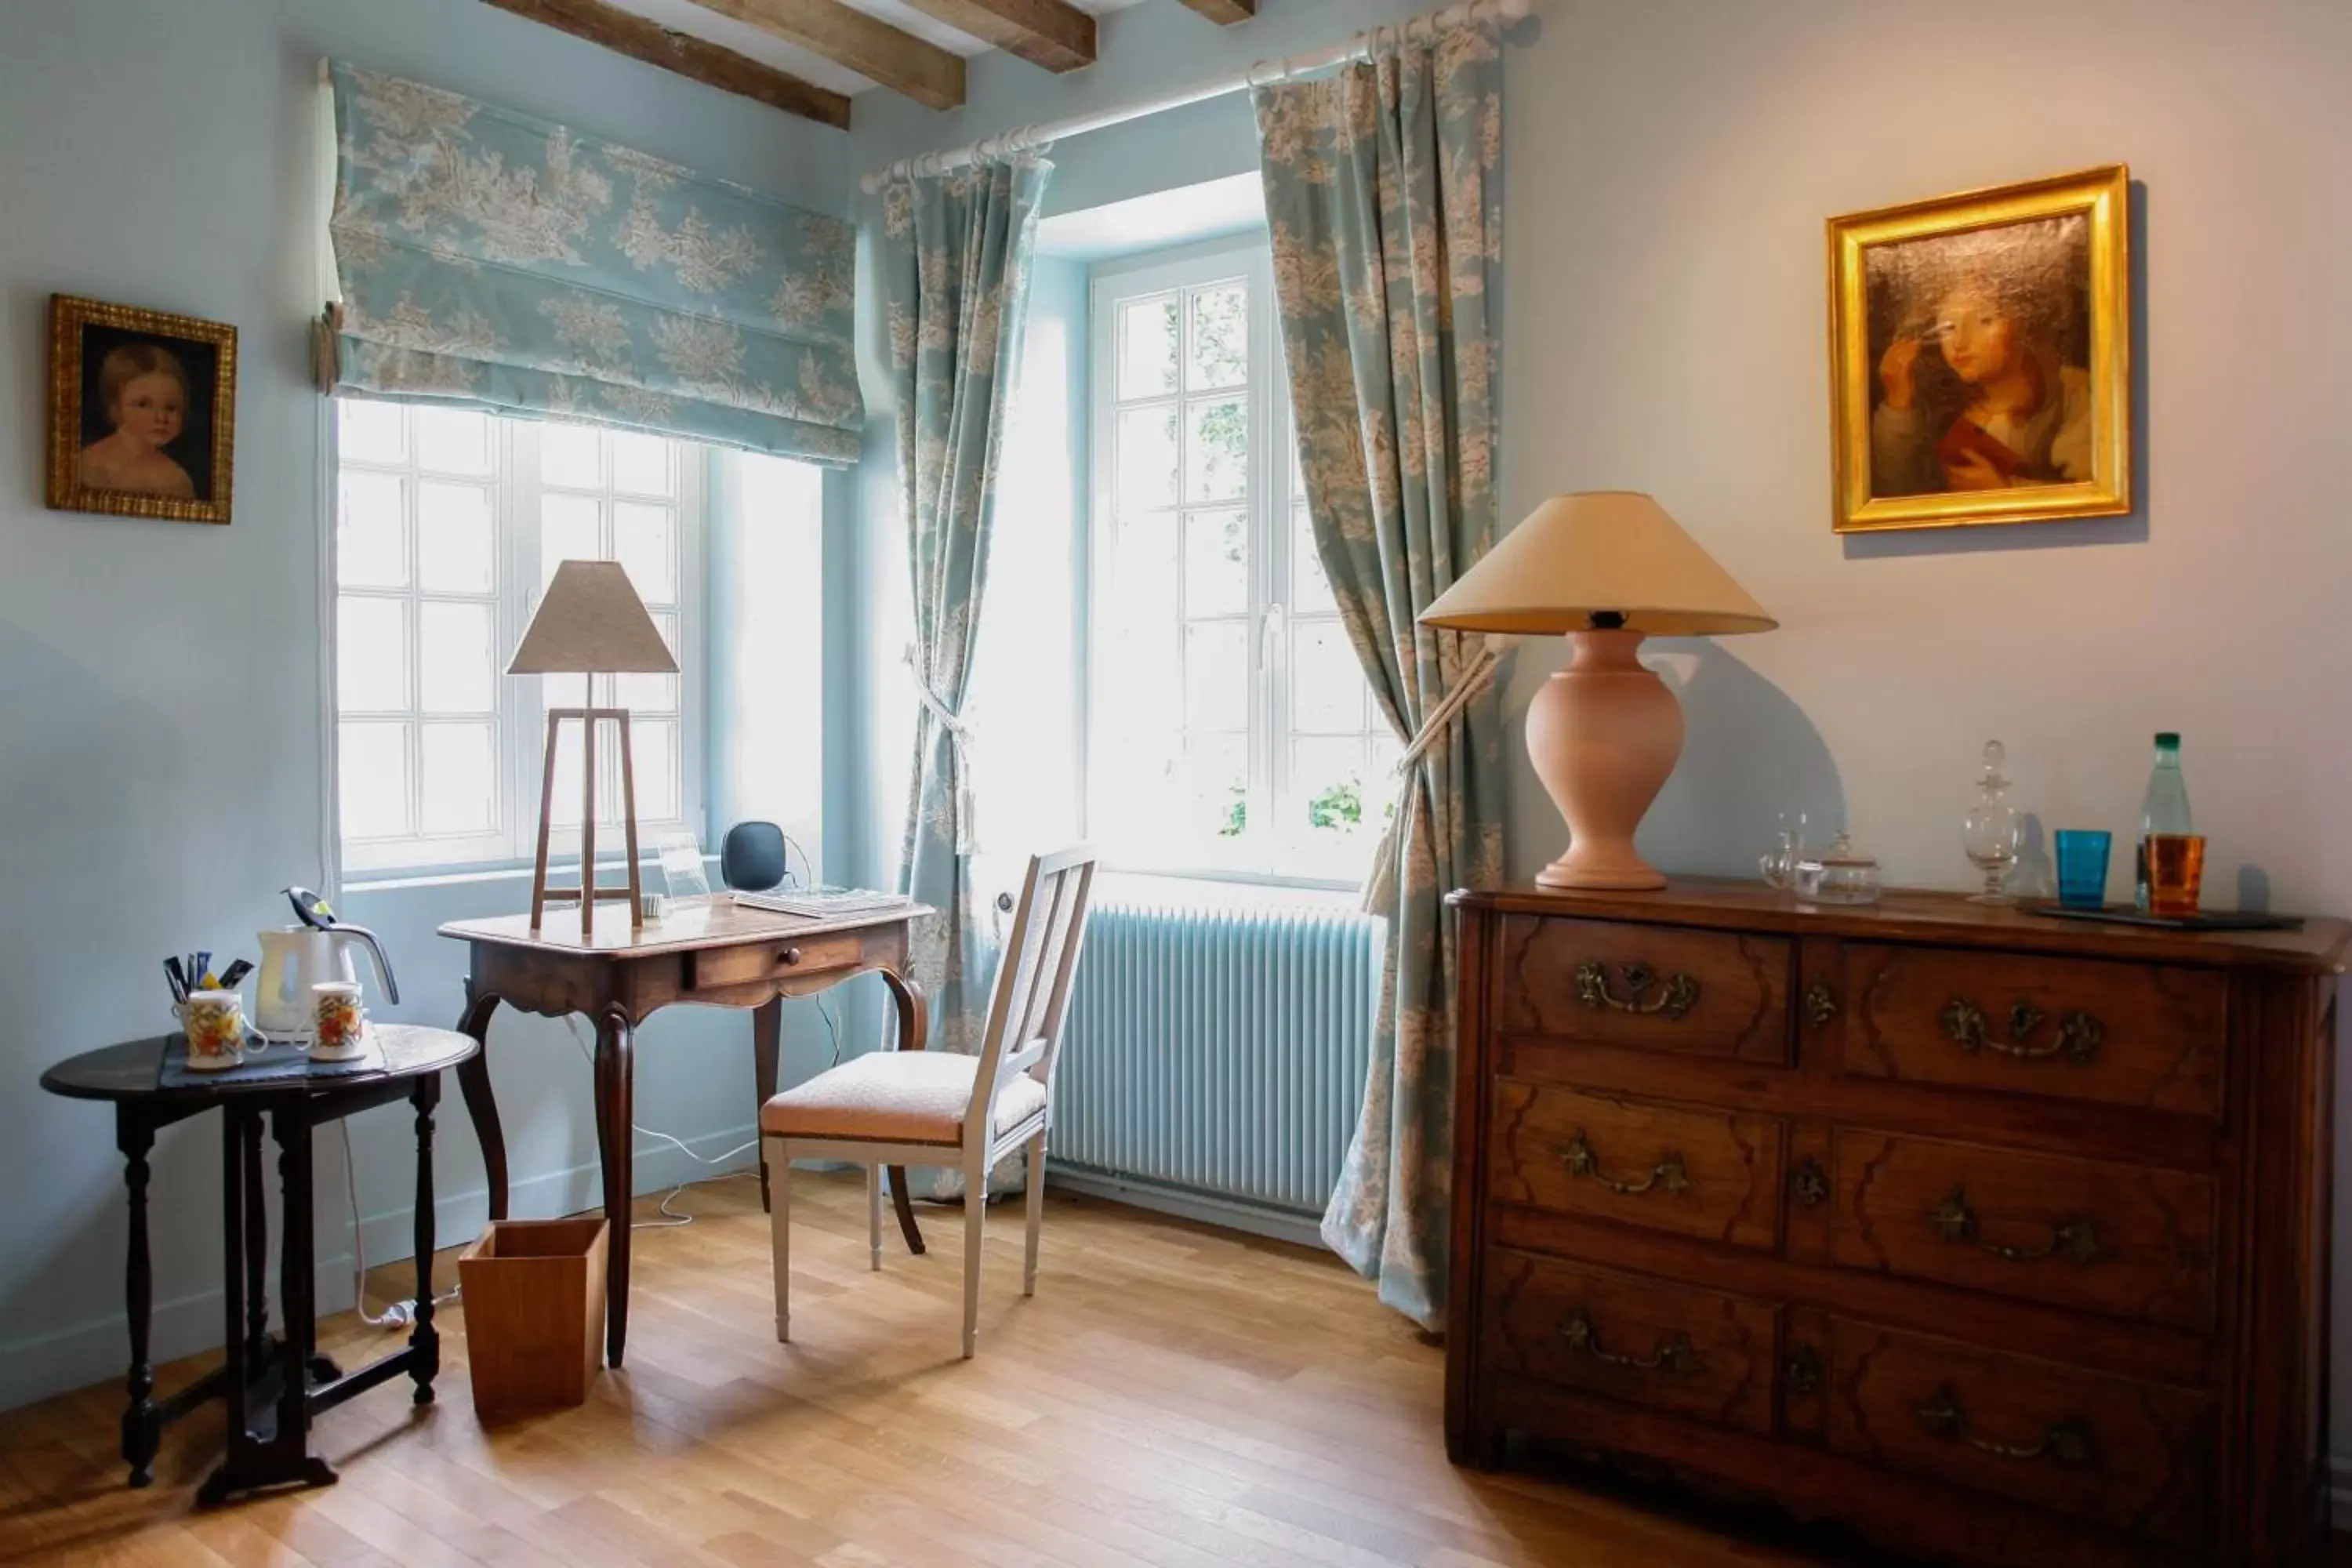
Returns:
<point x="492" y="260"/>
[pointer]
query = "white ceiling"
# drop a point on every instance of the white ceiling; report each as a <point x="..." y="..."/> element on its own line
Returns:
<point x="687" y="16"/>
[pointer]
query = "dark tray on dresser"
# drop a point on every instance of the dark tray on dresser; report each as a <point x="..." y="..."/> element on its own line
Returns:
<point x="2001" y="1239"/>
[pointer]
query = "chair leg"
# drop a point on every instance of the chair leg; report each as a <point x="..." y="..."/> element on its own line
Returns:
<point x="874" y="1213"/>
<point x="975" y="1211"/>
<point x="1036" y="1203"/>
<point x="779" y="1221"/>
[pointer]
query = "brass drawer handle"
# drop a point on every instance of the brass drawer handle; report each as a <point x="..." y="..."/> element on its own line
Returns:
<point x="2066" y="1442"/>
<point x="1821" y="1003"/>
<point x="1810" y="1182"/>
<point x="1674" y="1357"/>
<point x="1667" y="1174"/>
<point x="1678" y="996"/>
<point x="2077" y="1041"/>
<point x="2075" y="1240"/>
<point x="1803" y="1373"/>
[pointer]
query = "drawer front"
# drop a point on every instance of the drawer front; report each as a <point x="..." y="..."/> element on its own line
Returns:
<point x="1714" y="1175"/>
<point x="2129" y="1455"/>
<point x="2121" y="1240"/>
<point x="1654" y="988"/>
<point x="2077" y="1029"/>
<point x="710" y="968"/>
<point x="1647" y="1342"/>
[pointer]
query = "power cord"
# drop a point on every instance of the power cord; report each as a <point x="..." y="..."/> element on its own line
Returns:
<point x="400" y="1314"/>
<point x="672" y="1219"/>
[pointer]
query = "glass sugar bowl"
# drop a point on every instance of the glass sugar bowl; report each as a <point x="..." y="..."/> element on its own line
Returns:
<point x="1838" y="875"/>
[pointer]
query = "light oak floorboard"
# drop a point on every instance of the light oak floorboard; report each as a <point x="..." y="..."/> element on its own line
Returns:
<point x="1174" y="1396"/>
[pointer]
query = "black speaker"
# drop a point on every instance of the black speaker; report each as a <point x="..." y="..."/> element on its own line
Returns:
<point x="752" y="858"/>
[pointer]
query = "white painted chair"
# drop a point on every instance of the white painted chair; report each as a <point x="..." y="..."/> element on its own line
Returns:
<point x="931" y="1108"/>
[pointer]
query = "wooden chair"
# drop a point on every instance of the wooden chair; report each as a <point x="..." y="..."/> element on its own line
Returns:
<point x="932" y="1108"/>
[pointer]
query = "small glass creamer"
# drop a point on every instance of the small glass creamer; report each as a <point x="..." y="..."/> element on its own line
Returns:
<point x="1838" y="875"/>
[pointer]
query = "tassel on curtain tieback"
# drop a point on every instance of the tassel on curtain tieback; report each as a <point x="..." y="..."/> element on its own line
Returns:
<point x="967" y="840"/>
<point x="1380" y="888"/>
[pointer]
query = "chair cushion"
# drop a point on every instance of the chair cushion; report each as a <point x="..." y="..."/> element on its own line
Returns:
<point x="896" y="1097"/>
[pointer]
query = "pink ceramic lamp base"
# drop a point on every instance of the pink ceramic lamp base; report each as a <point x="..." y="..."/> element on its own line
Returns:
<point x="1603" y="734"/>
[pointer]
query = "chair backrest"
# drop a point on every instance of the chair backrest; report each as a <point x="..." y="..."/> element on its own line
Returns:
<point x="1033" y="980"/>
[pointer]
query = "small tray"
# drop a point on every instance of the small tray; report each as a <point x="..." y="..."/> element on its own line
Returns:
<point x="276" y="1064"/>
<point x="2130" y="915"/>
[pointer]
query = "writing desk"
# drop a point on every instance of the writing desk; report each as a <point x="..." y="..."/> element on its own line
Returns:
<point x="717" y="955"/>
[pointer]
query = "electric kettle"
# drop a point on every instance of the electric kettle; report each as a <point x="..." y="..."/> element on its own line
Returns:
<point x="295" y="958"/>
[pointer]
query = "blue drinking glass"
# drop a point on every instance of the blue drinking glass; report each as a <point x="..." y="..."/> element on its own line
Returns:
<point x="2082" y="868"/>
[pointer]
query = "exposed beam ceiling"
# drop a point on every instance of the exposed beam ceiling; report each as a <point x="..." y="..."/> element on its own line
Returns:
<point x="1049" y="33"/>
<point x="704" y="62"/>
<point x="1225" y="11"/>
<point x="923" y="71"/>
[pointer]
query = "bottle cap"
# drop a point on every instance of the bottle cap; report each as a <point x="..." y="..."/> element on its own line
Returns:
<point x="2168" y="738"/>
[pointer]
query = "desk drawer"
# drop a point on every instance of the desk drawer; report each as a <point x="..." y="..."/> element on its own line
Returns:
<point x="1647" y="1342"/>
<point x="2118" y="1033"/>
<point x="1656" y="988"/>
<point x="711" y="968"/>
<point x="1715" y="1174"/>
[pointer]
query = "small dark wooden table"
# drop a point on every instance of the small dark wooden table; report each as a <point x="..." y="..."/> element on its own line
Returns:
<point x="718" y="954"/>
<point x="272" y="1387"/>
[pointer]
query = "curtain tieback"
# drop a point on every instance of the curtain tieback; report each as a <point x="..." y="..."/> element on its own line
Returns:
<point x="967" y="838"/>
<point x="1380" y="888"/>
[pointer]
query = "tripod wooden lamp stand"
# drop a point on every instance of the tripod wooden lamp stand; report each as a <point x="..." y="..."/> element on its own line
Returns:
<point x="590" y="623"/>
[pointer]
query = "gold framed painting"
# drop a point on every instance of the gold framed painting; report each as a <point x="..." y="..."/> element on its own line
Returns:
<point x="142" y="411"/>
<point x="1980" y="357"/>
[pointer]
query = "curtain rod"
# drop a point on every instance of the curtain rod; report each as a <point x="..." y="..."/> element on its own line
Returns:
<point x="1029" y="138"/>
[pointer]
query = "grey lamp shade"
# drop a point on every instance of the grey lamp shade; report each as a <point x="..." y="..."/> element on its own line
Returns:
<point x="592" y="623"/>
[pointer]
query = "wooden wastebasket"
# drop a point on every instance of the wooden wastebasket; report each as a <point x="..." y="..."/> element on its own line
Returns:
<point x="534" y="1305"/>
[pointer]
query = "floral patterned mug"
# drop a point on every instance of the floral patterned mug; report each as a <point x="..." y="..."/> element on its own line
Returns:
<point x="337" y="1020"/>
<point x="214" y="1023"/>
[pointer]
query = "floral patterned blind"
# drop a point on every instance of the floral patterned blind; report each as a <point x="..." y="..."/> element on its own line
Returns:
<point x="493" y="260"/>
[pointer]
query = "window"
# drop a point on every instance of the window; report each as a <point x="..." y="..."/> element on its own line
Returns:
<point x="449" y="524"/>
<point x="1230" y="727"/>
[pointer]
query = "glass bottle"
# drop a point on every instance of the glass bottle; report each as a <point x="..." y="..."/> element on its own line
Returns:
<point x="2165" y="808"/>
<point x="1989" y="834"/>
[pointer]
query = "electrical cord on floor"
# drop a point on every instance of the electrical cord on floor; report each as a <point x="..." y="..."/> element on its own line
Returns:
<point x="672" y="1219"/>
<point x="400" y="1314"/>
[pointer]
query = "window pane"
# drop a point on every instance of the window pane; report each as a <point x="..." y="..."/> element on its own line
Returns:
<point x="372" y="432"/>
<point x="1146" y="463"/>
<point x="1216" y="786"/>
<point x="1147" y="347"/>
<point x="372" y="768"/>
<point x="459" y="770"/>
<point x="565" y="791"/>
<point x="1327" y="680"/>
<point x="453" y="440"/>
<point x="657" y="694"/>
<point x="640" y="463"/>
<point x="1216" y="676"/>
<point x="455" y="550"/>
<point x="654" y="743"/>
<point x="457" y="658"/>
<point x="1216" y="451"/>
<point x="644" y="541"/>
<point x="1331" y="785"/>
<point x="1221" y="336"/>
<point x="570" y="455"/>
<point x="371" y="534"/>
<point x="568" y="531"/>
<point x="1310" y="590"/>
<point x="371" y="655"/>
<point x="1216" y="563"/>
<point x="1143" y="578"/>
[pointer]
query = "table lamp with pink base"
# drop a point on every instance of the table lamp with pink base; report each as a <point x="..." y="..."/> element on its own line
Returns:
<point x="1604" y="569"/>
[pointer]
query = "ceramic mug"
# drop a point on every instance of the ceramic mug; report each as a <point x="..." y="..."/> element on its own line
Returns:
<point x="337" y="1020"/>
<point x="214" y="1023"/>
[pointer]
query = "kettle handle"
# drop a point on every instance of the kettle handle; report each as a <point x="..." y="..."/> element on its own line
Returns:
<point x="375" y="949"/>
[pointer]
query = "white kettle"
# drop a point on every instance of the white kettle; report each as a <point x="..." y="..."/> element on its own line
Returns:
<point x="295" y="958"/>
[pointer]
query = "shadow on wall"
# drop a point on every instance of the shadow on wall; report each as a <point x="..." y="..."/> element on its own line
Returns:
<point x="1748" y="754"/>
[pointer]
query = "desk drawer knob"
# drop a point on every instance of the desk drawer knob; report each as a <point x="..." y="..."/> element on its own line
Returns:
<point x="789" y="957"/>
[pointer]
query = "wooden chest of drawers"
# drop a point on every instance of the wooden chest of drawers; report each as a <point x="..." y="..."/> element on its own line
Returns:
<point x="2001" y="1238"/>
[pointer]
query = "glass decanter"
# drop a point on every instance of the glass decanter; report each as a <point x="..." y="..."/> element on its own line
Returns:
<point x="1989" y="834"/>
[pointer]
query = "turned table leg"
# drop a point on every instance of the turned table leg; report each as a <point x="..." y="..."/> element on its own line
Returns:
<point x="142" y="1433"/>
<point x="424" y="1340"/>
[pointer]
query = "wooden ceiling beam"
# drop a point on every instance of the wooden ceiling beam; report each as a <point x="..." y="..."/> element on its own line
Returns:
<point x="1049" y="33"/>
<point x="624" y="32"/>
<point x="1224" y="11"/>
<point x="924" y="72"/>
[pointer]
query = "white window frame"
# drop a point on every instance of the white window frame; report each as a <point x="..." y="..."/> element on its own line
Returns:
<point x="520" y="711"/>
<point x="1282" y="851"/>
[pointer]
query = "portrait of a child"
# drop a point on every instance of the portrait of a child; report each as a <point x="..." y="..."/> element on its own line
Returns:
<point x="143" y="390"/>
<point x="142" y="410"/>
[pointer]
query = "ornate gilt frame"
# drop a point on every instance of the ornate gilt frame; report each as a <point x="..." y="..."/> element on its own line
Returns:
<point x="2104" y="193"/>
<point x="67" y="315"/>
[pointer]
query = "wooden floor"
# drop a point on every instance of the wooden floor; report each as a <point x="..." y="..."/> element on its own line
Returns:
<point x="1173" y="1395"/>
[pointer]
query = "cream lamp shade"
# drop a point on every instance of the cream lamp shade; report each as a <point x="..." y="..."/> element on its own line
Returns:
<point x="1604" y="569"/>
<point x="591" y="621"/>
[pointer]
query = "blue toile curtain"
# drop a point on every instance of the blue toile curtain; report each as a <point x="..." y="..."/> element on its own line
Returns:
<point x="954" y="255"/>
<point x="1383" y="187"/>
<point x="495" y="261"/>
